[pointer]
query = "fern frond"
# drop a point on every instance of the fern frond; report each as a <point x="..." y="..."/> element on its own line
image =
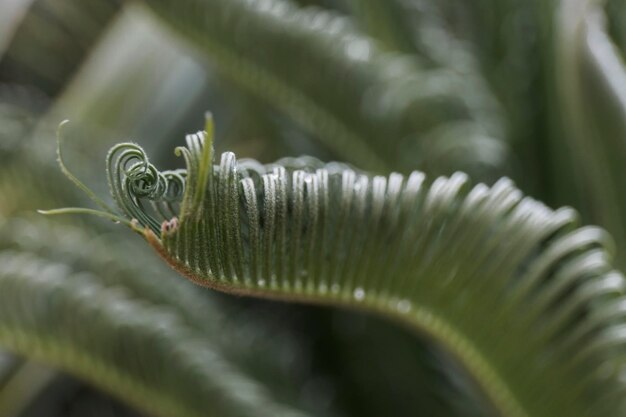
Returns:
<point x="313" y="66"/>
<point x="238" y="336"/>
<point x="142" y="352"/>
<point x="526" y="300"/>
<point x="80" y="250"/>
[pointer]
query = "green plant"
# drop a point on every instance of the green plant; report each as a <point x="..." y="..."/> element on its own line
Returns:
<point x="513" y="308"/>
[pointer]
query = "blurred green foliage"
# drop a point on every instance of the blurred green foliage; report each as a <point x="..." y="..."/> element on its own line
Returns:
<point x="530" y="89"/>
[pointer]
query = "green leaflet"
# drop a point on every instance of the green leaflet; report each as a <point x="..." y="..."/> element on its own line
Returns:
<point x="373" y="108"/>
<point x="24" y="381"/>
<point x="590" y="76"/>
<point x="616" y="15"/>
<point x="528" y="302"/>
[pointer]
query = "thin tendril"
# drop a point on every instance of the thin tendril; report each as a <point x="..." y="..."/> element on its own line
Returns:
<point x="81" y="210"/>
<point x="73" y="178"/>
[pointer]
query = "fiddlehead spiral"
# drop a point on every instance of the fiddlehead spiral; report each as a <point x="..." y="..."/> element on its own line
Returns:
<point x="525" y="299"/>
<point x="133" y="180"/>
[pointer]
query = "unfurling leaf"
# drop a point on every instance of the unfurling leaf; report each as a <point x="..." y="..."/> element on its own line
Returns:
<point x="528" y="302"/>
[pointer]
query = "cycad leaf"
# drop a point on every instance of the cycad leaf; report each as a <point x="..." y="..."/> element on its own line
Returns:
<point x="373" y="108"/>
<point x="526" y="301"/>
<point x="80" y="250"/>
<point x="134" y="340"/>
<point x="140" y="277"/>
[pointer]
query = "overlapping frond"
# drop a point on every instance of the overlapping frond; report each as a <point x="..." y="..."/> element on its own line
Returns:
<point x="149" y="340"/>
<point x="381" y="109"/>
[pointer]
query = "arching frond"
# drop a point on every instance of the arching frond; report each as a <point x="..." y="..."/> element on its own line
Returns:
<point x="527" y="301"/>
